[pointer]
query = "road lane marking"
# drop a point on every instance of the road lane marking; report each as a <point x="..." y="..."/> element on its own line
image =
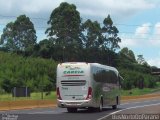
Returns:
<point x="139" y="102"/>
<point x="42" y="112"/>
<point x="126" y="109"/>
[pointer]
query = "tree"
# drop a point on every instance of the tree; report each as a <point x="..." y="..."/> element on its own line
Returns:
<point x="140" y="82"/>
<point x="92" y="36"/>
<point x="19" y="35"/>
<point x="65" y="27"/>
<point x="7" y="38"/>
<point x="126" y="59"/>
<point x="92" y="41"/>
<point x="110" y="34"/>
<point x="125" y="53"/>
<point x="45" y="48"/>
<point x="7" y="85"/>
<point x="140" y="59"/>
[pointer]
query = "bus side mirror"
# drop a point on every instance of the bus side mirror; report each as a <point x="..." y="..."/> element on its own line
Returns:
<point x="120" y="80"/>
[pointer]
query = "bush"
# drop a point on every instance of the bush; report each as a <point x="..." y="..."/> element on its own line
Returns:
<point x="133" y="79"/>
<point x="18" y="71"/>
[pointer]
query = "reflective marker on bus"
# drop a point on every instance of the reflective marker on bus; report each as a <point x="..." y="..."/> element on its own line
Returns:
<point x="89" y="96"/>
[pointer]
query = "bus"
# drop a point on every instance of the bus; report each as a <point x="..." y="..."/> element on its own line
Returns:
<point x="87" y="85"/>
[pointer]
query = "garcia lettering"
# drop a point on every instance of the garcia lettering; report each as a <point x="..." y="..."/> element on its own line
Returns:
<point x="73" y="72"/>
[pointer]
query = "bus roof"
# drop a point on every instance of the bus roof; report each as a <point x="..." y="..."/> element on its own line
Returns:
<point x="92" y="64"/>
<point x="104" y="66"/>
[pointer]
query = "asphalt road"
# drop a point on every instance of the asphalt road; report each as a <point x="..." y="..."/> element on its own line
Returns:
<point x="82" y="114"/>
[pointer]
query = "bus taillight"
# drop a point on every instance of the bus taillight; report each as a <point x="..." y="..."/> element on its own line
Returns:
<point x="58" y="94"/>
<point x="89" y="96"/>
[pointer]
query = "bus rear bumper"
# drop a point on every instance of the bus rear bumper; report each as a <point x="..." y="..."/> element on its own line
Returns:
<point x="75" y="104"/>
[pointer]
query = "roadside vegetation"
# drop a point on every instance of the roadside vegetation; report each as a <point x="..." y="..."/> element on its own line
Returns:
<point x="34" y="96"/>
<point x="26" y="62"/>
<point x="137" y="91"/>
<point x="17" y="71"/>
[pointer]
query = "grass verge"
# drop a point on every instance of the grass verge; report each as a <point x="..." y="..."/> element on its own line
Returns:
<point x="137" y="91"/>
<point x="34" y="96"/>
<point x="52" y="95"/>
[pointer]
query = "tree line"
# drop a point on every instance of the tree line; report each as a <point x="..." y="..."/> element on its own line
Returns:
<point x="69" y="39"/>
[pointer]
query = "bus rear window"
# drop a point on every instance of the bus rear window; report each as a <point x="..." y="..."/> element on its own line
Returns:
<point x="73" y="82"/>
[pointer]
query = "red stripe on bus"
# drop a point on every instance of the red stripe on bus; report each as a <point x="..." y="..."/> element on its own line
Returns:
<point x="72" y="75"/>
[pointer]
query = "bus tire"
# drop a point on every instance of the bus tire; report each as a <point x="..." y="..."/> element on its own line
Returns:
<point x="114" y="106"/>
<point x="72" y="110"/>
<point x="91" y="109"/>
<point x="117" y="100"/>
<point x="100" y="108"/>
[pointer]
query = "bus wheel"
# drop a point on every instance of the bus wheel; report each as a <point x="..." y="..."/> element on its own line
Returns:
<point x="114" y="106"/>
<point x="72" y="110"/>
<point x="91" y="109"/>
<point x="100" y="108"/>
<point x="117" y="100"/>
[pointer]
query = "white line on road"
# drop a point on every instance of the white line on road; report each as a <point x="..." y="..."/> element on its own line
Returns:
<point x="43" y="112"/>
<point x="126" y="109"/>
<point x="139" y="102"/>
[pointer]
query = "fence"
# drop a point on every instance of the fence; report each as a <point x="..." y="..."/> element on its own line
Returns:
<point x="38" y="95"/>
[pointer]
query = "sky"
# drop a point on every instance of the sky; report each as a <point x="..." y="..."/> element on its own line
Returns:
<point x="138" y="21"/>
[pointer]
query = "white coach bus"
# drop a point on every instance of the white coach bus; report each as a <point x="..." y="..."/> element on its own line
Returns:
<point x="87" y="85"/>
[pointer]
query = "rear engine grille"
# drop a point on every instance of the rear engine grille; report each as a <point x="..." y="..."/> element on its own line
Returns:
<point x="73" y="82"/>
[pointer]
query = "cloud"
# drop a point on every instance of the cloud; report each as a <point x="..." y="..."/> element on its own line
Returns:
<point x="36" y="6"/>
<point x="120" y="9"/>
<point x="155" y="38"/>
<point x="154" y="41"/>
<point x="91" y="9"/>
<point x="128" y="42"/>
<point x="100" y="8"/>
<point x="143" y="30"/>
<point x="154" y="62"/>
<point x="6" y="6"/>
<point x="29" y="6"/>
<point x="138" y="39"/>
<point x="143" y="36"/>
<point x="157" y="28"/>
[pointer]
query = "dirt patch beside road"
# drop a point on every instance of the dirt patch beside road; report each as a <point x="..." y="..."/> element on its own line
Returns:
<point x="140" y="97"/>
<point x="26" y="104"/>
